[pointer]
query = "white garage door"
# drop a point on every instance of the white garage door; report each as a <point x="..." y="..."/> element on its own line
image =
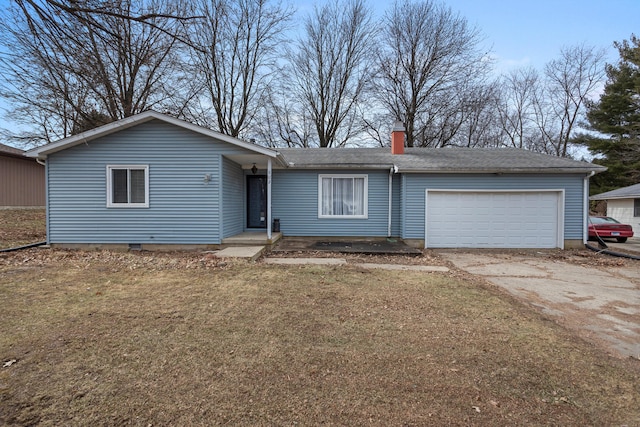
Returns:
<point x="496" y="219"/>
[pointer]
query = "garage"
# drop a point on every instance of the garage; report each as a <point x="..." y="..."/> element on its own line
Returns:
<point x="494" y="219"/>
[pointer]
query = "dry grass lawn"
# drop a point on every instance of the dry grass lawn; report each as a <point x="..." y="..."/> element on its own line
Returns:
<point x="102" y="338"/>
<point x="21" y="226"/>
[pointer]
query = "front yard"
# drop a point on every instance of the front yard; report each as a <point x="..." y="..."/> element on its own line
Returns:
<point x="104" y="338"/>
<point x="151" y="339"/>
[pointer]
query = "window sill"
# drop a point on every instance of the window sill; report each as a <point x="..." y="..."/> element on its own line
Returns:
<point x="343" y="217"/>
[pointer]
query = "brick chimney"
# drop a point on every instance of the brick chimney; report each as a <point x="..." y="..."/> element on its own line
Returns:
<point x="397" y="138"/>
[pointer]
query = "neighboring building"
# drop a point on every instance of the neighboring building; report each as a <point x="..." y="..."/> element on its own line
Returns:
<point x="154" y="180"/>
<point x="623" y="204"/>
<point x="21" y="180"/>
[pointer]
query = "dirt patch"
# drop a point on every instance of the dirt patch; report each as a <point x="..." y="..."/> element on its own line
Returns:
<point x="102" y="338"/>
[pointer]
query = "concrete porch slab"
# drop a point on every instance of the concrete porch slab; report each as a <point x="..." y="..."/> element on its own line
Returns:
<point x="251" y="238"/>
<point x="249" y="252"/>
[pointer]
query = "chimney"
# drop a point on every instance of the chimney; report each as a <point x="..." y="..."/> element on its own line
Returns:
<point x="397" y="138"/>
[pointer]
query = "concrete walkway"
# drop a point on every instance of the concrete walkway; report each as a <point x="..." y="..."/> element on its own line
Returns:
<point x="601" y="303"/>
<point x="342" y="261"/>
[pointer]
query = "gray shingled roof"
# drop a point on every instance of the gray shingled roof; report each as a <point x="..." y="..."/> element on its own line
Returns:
<point x="630" y="192"/>
<point x="435" y="160"/>
<point x="5" y="149"/>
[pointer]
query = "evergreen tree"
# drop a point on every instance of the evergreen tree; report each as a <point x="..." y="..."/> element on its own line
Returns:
<point x="617" y="117"/>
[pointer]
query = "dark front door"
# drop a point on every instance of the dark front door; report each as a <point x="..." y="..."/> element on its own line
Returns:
<point x="256" y="201"/>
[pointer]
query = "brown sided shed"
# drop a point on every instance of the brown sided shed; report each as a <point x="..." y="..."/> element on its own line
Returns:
<point x="21" y="180"/>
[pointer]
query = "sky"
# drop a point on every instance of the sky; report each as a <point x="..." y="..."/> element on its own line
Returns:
<point x="531" y="33"/>
<point x="528" y="33"/>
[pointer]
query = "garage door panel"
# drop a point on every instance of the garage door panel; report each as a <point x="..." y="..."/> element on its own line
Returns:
<point x="492" y="219"/>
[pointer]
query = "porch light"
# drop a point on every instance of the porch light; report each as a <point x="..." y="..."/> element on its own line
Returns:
<point x="254" y="169"/>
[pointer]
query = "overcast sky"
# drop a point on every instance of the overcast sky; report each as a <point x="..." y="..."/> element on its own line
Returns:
<point x="530" y="33"/>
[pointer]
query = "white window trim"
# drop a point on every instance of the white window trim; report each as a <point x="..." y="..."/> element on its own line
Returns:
<point x="110" y="203"/>
<point x="366" y="196"/>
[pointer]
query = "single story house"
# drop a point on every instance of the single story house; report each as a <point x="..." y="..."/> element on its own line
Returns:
<point x="152" y="180"/>
<point x="623" y="204"/>
<point x="22" y="180"/>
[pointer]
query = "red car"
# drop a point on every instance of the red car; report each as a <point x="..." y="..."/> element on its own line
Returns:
<point x="605" y="226"/>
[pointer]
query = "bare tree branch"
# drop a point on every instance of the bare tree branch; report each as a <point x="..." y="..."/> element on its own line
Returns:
<point x="234" y="53"/>
<point x="328" y="75"/>
<point x="427" y="52"/>
<point x="73" y="76"/>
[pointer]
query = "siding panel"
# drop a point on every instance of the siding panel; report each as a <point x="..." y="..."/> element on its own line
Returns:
<point x="22" y="182"/>
<point x="182" y="208"/>
<point x="295" y="202"/>
<point x="232" y="198"/>
<point x="396" y="211"/>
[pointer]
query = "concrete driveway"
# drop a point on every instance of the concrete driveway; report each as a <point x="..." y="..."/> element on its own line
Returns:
<point x="600" y="302"/>
<point x="631" y="246"/>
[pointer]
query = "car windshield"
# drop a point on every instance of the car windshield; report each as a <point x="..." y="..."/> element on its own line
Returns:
<point x="602" y="220"/>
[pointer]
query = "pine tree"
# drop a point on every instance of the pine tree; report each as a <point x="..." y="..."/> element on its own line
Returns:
<point x="617" y="117"/>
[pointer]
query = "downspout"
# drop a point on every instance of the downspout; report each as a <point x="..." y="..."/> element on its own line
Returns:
<point x="585" y="216"/>
<point x="394" y="169"/>
<point x="269" y="199"/>
<point x="46" y="197"/>
<point x="390" y="201"/>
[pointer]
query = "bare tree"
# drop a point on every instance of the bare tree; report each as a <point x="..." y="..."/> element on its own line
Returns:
<point x="328" y="72"/>
<point x="480" y="124"/>
<point x="571" y="80"/>
<point x="427" y="53"/>
<point x="234" y="51"/>
<point x="542" y="113"/>
<point x="68" y="75"/>
<point x="281" y="121"/>
<point x="516" y="107"/>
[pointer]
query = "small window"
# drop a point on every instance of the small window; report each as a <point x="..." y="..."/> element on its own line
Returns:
<point x="342" y="196"/>
<point x="636" y="207"/>
<point x="128" y="186"/>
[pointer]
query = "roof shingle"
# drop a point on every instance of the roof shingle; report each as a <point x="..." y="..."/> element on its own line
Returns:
<point x="435" y="160"/>
<point x="630" y="192"/>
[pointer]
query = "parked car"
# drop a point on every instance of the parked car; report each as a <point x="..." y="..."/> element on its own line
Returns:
<point x="605" y="226"/>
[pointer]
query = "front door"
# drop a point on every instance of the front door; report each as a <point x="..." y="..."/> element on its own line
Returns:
<point x="256" y="201"/>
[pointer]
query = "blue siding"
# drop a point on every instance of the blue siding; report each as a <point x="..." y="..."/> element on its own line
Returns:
<point x="182" y="208"/>
<point x="403" y="206"/>
<point x="396" y="212"/>
<point x="232" y="198"/>
<point x="295" y="202"/>
<point x="414" y="200"/>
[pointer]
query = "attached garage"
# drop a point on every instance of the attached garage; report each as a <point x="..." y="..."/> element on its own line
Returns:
<point x="494" y="219"/>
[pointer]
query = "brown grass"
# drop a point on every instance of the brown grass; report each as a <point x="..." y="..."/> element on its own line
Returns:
<point x="21" y="226"/>
<point x="102" y="338"/>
